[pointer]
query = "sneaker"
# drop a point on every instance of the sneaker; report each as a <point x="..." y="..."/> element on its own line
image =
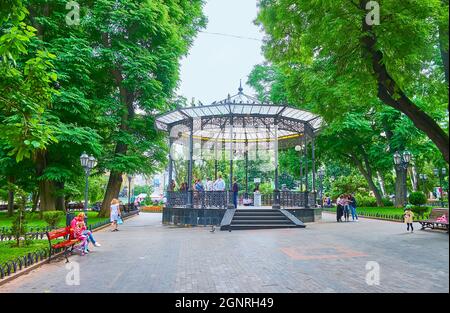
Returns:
<point x="97" y="244"/>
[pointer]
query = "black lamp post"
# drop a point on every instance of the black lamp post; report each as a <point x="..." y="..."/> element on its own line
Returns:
<point x="321" y="174"/>
<point x="440" y="174"/>
<point x="130" y="177"/>
<point x="402" y="161"/>
<point x="423" y="179"/>
<point x="88" y="163"/>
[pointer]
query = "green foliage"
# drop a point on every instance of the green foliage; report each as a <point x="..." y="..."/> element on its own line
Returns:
<point x="366" y="201"/>
<point x="417" y="198"/>
<point x="19" y="227"/>
<point x="52" y="218"/>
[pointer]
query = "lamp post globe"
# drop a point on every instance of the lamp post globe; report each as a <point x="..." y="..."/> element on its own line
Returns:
<point x="84" y="159"/>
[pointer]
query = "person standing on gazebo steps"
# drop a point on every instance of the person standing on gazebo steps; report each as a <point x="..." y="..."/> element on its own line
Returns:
<point x="235" y="193"/>
<point x="219" y="185"/>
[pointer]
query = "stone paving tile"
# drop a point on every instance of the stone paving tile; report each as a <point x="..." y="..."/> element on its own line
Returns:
<point x="325" y="257"/>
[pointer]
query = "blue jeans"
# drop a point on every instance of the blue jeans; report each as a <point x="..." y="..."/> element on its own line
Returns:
<point x="88" y="233"/>
<point x="354" y="214"/>
<point x="235" y="199"/>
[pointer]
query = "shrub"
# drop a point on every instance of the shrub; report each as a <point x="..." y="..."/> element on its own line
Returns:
<point x="387" y="202"/>
<point x="417" y="198"/>
<point x="19" y="227"/>
<point x="52" y="218"/>
<point x="421" y="212"/>
<point x="366" y="201"/>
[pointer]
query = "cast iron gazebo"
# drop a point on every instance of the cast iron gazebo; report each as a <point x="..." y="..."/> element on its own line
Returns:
<point x="238" y="127"/>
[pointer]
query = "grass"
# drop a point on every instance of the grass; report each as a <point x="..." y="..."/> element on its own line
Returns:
<point x="383" y="212"/>
<point x="34" y="220"/>
<point x="9" y="252"/>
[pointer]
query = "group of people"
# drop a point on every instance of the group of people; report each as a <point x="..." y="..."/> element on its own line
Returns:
<point x="79" y="231"/>
<point x="346" y="205"/>
<point x="209" y="185"/>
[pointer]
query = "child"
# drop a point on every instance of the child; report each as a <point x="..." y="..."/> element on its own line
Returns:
<point x="409" y="218"/>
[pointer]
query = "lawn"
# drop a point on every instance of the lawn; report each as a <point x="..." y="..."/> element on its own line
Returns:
<point x="9" y="252"/>
<point x="34" y="221"/>
<point x="383" y="212"/>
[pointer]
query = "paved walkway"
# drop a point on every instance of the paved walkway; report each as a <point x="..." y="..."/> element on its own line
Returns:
<point x="325" y="257"/>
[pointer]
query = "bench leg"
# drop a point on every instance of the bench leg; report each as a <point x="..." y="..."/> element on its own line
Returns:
<point x="65" y="255"/>
<point x="50" y="255"/>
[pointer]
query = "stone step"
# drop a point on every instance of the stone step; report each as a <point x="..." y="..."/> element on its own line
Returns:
<point x="259" y="222"/>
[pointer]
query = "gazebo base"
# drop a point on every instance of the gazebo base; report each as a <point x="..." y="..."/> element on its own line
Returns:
<point x="207" y="217"/>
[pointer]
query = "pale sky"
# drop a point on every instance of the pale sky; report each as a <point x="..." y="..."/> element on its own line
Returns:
<point x="215" y="64"/>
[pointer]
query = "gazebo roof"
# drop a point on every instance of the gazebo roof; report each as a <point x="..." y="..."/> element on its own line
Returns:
<point x="239" y="105"/>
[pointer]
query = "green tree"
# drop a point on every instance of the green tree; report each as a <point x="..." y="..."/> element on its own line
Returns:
<point x="332" y="56"/>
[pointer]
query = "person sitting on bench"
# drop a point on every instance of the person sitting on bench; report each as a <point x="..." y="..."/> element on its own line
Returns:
<point x="81" y="232"/>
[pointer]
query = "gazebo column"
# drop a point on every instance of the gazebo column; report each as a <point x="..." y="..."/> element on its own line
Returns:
<point x="246" y="168"/>
<point x="305" y="141"/>
<point x="301" y="164"/>
<point x="216" y="161"/>
<point x="191" y="163"/>
<point x="230" y="203"/>
<point x="276" y="192"/>
<point x="313" y="158"/>
<point x="170" y="161"/>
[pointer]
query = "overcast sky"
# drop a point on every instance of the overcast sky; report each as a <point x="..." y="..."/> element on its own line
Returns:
<point x="216" y="63"/>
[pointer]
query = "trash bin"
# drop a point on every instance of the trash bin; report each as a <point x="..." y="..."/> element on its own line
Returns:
<point x="69" y="218"/>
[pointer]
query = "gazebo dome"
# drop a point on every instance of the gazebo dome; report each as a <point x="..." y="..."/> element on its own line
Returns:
<point x="241" y="119"/>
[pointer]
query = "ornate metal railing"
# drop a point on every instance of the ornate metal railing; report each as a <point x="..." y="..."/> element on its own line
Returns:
<point x="18" y="263"/>
<point x="222" y="199"/>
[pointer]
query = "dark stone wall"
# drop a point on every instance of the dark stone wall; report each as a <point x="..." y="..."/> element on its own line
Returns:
<point x="192" y="217"/>
<point x="307" y="215"/>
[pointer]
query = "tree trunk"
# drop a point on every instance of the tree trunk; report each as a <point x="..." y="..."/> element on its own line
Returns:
<point x="399" y="188"/>
<point x="35" y="200"/>
<point x="112" y="191"/>
<point x="10" y="195"/>
<point x="46" y="187"/>
<point x="382" y="184"/>
<point x="392" y="95"/>
<point x="60" y="203"/>
<point x="414" y="179"/>
<point x="367" y="173"/>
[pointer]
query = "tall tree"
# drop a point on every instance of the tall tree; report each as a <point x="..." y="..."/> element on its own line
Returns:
<point x="361" y="60"/>
<point x="139" y="45"/>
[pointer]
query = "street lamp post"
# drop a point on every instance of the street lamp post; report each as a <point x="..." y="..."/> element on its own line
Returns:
<point x="88" y="163"/>
<point x="440" y="174"/>
<point x="402" y="161"/>
<point x="130" y="177"/>
<point x="321" y="174"/>
<point x="423" y="179"/>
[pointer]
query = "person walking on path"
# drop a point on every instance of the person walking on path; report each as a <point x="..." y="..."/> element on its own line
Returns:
<point x="115" y="214"/>
<point x="409" y="218"/>
<point x="346" y="205"/>
<point x="235" y="193"/>
<point x="339" y="209"/>
<point x="352" y="204"/>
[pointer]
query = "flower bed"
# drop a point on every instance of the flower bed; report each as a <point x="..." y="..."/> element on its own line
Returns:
<point x="152" y="209"/>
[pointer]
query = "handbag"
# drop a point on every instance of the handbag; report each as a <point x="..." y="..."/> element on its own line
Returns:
<point x="119" y="221"/>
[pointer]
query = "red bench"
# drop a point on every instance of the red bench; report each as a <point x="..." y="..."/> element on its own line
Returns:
<point x="432" y="222"/>
<point x="67" y="244"/>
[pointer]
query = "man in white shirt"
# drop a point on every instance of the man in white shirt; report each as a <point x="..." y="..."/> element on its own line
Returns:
<point x="209" y="184"/>
<point x="219" y="184"/>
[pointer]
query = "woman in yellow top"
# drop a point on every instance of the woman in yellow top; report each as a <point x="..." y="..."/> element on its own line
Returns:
<point x="409" y="217"/>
